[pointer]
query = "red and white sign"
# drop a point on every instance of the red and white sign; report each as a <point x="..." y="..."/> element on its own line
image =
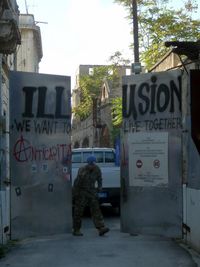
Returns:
<point x="139" y="163"/>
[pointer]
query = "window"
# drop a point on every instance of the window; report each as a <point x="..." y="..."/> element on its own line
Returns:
<point x="86" y="155"/>
<point x="91" y="71"/>
<point x="109" y="156"/>
<point x="99" y="156"/>
<point x="128" y="71"/>
<point x="76" y="157"/>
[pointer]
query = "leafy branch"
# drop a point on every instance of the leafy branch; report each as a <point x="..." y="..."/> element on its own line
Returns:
<point x="159" y="22"/>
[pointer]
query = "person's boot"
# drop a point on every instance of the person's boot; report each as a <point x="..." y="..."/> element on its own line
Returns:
<point x="103" y="230"/>
<point x="77" y="233"/>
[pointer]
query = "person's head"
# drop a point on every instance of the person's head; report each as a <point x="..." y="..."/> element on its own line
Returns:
<point x="91" y="160"/>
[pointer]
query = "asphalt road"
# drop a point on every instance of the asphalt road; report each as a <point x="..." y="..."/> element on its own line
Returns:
<point x="115" y="249"/>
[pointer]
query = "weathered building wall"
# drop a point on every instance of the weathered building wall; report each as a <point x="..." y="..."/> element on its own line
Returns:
<point x="169" y="61"/>
<point x="97" y="128"/>
<point x="4" y="155"/>
<point x="29" y="53"/>
<point x="82" y="130"/>
<point x="9" y="39"/>
<point x="32" y="52"/>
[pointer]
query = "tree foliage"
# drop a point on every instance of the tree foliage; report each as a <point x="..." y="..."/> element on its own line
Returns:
<point x="159" y="22"/>
<point x="117" y="111"/>
<point x="116" y="116"/>
<point x="90" y="86"/>
<point x="118" y="60"/>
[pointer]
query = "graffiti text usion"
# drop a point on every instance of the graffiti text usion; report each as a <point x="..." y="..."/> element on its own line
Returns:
<point x="152" y="98"/>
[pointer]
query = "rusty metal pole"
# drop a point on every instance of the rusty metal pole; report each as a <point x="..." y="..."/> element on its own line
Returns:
<point x="135" y="31"/>
<point x="136" y="66"/>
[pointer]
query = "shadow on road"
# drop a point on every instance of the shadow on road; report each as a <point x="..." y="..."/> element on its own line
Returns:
<point x="107" y="210"/>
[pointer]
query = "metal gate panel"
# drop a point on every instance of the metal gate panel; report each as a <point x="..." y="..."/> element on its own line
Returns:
<point x="40" y="125"/>
<point x="151" y="199"/>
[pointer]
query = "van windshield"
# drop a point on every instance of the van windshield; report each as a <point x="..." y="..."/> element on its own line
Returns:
<point x="101" y="157"/>
<point x="98" y="155"/>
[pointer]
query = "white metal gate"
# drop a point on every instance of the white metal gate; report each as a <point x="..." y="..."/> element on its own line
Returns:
<point x="151" y="199"/>
<point x="40" y="124"/>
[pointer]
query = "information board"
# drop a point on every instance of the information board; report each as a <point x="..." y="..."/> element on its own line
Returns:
<point x="148" y="159"/>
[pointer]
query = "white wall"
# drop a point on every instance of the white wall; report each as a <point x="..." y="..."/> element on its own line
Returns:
<point x="192" y="216"/>
<point x="29" y="53"/>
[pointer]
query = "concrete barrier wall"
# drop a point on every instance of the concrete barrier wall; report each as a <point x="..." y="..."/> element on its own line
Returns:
<point x="40" y="142"/>
<point x="192" y="217"/>
<point x="151" y="167"/>
<point x="4" y="157"/>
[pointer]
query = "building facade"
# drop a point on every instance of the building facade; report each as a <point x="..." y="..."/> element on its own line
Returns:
<point x="96" y="130"/>
<point x="9" y="40"/>
<point x="29" y="53"/>
<point x="20" y="50"/>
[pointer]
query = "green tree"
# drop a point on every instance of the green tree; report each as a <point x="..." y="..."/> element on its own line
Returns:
<point x="117" y="111"/>
<point x="116" y="116"/>
<point x="90" y="86"/>
<point x="118" y="60"/>
<point x="159" y="22"/>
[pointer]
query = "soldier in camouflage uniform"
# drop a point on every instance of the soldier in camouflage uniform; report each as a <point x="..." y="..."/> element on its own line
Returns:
<point x="85" y="193"/>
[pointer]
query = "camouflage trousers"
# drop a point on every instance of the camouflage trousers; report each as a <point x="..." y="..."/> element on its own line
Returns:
<point x="81" y="200"/>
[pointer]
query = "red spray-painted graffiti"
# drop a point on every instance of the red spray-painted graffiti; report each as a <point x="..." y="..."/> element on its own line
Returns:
<point x="23" y="151"/>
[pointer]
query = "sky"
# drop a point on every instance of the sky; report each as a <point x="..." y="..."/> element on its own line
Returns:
<point x="79" y="32"/>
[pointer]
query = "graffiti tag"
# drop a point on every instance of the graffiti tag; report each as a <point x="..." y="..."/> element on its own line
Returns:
<point x="24" y="151"/>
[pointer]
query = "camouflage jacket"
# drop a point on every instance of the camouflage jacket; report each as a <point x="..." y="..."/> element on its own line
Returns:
<point x="88" y="180"/>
